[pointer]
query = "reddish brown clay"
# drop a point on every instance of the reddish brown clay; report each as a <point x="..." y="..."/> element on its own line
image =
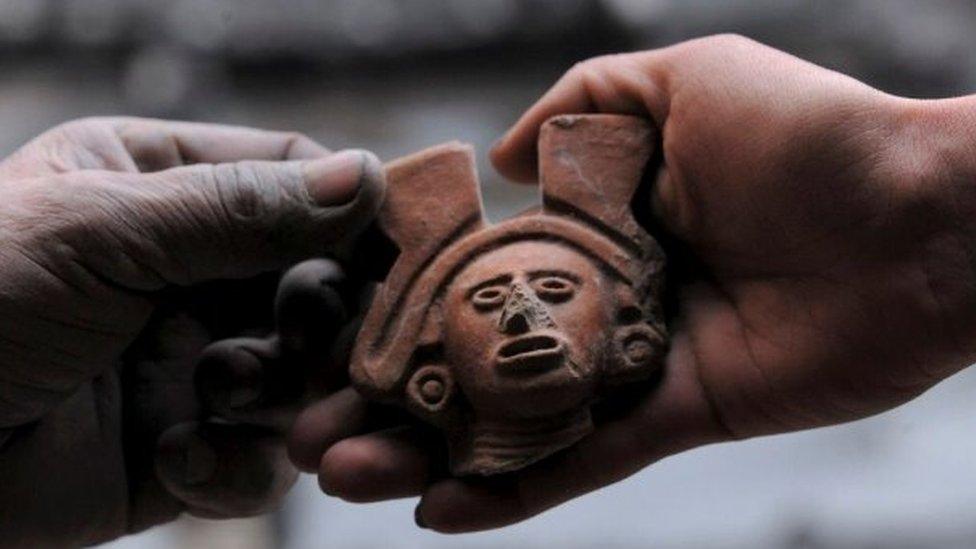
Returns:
<point x="504" y="335"/>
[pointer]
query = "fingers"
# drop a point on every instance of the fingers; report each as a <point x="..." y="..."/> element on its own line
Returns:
<point x="137" y="144"/>
<point x="221" y="470"/>
<point x="236" y="469"/>
<point x="308" y="308"/>
<point x="314" y="332"/>
<point x="159" y="144"/>
<point x="266" y="381"/>
<point x="675" y="417"/>
<point x="343" y="438"/>
<point x="334" y="418"/>
<point x="197" y="223"/>
<point x="339" y="416"/>
<point x="244" y="380"/>
<point x="376" y="466"/>
<point x="390" y="464"/>
<point x="626" y="84"/>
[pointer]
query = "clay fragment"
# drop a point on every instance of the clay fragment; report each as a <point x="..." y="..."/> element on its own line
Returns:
<point x="504" y="335"/>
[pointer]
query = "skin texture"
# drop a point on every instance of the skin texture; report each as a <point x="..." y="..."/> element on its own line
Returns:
<point x="820" y="234"/>
<point x="128" y="247"/>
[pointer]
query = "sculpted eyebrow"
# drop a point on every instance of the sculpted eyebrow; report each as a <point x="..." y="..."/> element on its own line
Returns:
<point x="500" y="279"/>
<point x="554" y="272"/>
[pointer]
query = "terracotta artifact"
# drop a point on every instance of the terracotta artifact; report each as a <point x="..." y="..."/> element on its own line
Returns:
<point x="504" y="335"/>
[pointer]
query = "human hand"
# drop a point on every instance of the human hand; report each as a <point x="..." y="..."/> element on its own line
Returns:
<point x="820" y="260"/>
<point x="127" y="247"/>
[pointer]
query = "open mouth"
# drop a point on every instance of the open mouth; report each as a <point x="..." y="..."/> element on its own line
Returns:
<point x="530" y="353"/>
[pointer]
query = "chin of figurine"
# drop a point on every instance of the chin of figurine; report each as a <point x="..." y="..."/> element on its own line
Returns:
<point x="503" y="335"/>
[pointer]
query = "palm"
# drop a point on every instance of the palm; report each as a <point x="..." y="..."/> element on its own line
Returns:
<point x="774" y="360"/>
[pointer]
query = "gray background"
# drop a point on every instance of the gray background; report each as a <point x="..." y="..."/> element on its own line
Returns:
<point x="398" y="75"/>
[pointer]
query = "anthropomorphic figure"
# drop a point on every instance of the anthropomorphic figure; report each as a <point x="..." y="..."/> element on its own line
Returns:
<point x="504" y="335"/>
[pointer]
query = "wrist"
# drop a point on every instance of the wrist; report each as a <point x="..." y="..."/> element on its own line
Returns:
<point x="936" y="150"/>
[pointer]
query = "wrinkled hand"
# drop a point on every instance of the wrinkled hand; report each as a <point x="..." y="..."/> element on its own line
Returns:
<point x="821" y="267"/>
<point x="128" y="246"/>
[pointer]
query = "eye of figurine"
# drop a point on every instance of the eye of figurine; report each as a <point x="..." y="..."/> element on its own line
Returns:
<point x="490" y="297"/>
<point x="554" y="288"/>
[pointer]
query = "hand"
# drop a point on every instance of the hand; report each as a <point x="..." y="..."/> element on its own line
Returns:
<point x="821" y="264"/>
<point x="127" y="246"/>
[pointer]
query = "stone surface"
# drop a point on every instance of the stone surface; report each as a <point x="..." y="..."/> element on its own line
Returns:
<point x="504" y="335"/>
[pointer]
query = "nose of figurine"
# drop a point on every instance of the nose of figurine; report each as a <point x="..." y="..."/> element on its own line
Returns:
<point x="523" y="312"/>
<point x="515" y="323"/>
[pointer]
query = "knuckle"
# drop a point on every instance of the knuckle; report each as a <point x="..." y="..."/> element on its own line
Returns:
<point x="727" y="40"/>
<point x="598" y="63"/>
<point x="581" y="68"/>
<point x="295" y="139"/>
<point x="712" y="49"/>
<point x="129" y="129"/>
<point x="81" y="125"/>
<point x="249" y="192"/>
<point x="248" y="211"/>
<point x="65" y="132"/>
<point x="300" y="146"/>
<point x="596" y="69"/>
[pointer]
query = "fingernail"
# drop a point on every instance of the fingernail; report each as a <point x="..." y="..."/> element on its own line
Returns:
<point x="418" y="517"/>
<point x="336" y="180"/>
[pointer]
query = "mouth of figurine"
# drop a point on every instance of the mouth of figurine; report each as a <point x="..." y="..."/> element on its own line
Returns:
<point x="530" y="353"/>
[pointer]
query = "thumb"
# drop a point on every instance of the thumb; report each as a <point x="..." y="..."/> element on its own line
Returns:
<point x="208" y="221"/>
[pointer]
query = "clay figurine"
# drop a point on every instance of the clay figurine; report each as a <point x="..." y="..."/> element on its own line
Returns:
<point x="504" y="335"/>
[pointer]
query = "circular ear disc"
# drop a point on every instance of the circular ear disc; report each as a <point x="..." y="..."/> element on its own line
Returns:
<point x="639" y="350"/>
<point x="430" y="388"/>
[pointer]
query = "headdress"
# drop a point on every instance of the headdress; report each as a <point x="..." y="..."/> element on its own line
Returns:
<point x="590" y="168"/>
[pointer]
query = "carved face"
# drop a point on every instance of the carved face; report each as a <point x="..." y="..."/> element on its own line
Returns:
<point x="525" y="339"/>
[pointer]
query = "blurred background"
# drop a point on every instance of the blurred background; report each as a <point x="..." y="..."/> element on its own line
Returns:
<point x="395" y="76"/>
